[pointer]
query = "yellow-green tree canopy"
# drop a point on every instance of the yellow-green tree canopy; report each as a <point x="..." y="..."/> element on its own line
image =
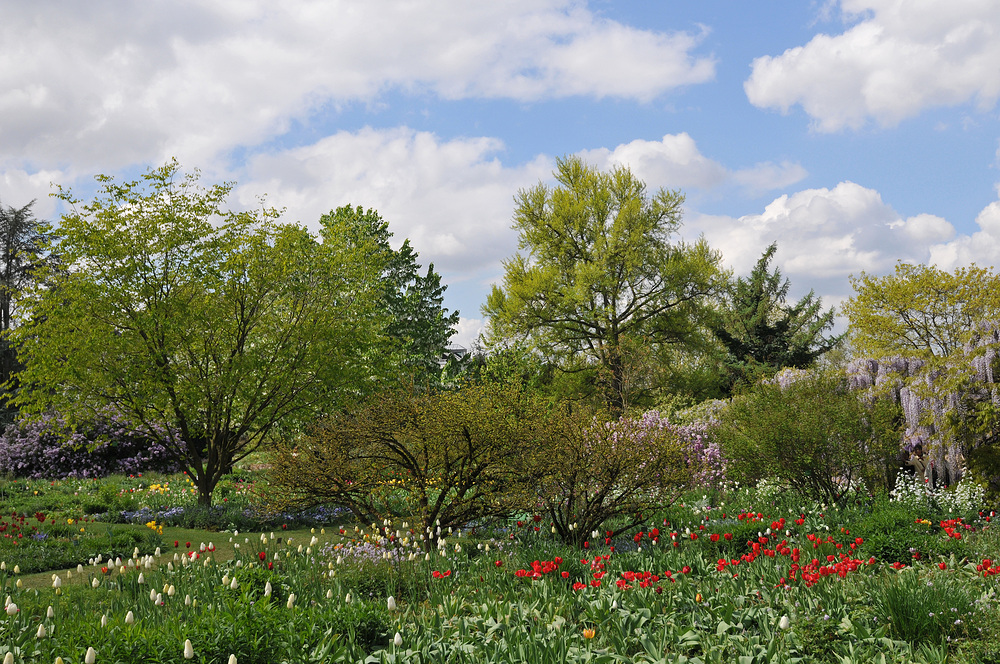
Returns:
<point x="601" y="271"/>
<point x="920" y="310"/>
<point x="205" y="327"/>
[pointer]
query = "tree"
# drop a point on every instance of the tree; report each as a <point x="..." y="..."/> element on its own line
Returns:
<point x="207" y="329"/>
<point x="25" y="244"/>
<point x="419" y="324"/>
<point x="761" y="334"/>
<point x="445" y="459"/>
<point x="920" y="310"/>
<point x="601" y="275"/>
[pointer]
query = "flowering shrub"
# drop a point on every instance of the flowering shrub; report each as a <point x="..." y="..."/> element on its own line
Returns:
<point x="47" y="449"/>
<point x="591" y="470"/>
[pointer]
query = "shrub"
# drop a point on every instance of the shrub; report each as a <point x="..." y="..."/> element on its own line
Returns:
<point x="591" y="469"/>
<point x="811" y="434"/>
<point x="48" y="449"/>
<point x="445" y="459"/>
<point x="927" y="609"/>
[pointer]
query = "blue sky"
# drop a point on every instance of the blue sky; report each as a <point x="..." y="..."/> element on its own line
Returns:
<point x="854" y="133"/>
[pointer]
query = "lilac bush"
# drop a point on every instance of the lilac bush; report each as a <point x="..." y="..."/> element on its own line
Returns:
<point x="48" y="449"/>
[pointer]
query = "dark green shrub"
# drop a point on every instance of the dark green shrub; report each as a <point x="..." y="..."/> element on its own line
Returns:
<point x="809" y="432"/>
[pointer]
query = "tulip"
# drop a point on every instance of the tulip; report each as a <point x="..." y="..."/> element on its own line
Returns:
<point x="141" y="580"/>
<point x="784" y="623"/>
<point x="57" y="582"/>
<point x="129" y="618"/>
<point x="391" y="603"/>
<point x="79" y="569"/>
<point x="187" y="600"/>
<point x="8" y="658"/>
<point x="152" y="595"/>
<point x="347" y="599"/>
<point x="17" y="569"/>
<point x="234" y="585"/>
<point x="104" y="621"/>
<point x="95" y="583"/>
<point x="90" y="657"/>
<point x="11" y="609"/>
<point x="225" y="579"/>
<point x="59" y="660"/>
<point x="267" y="589"/>
<point x="291" y="600"/>
<point x="40" y="634"/>
<point x="171" y="591"/>
<point x="329" y="594"/>
<point x="3" y="566"/>
<point x="50" y="613"/>
<point x="188" y="649"/>
<point x="232" y="659"/>
<point x="19" y="584"/>
<point x="397" y="640"/>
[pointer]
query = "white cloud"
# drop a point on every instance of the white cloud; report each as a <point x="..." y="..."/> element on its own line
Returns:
<point x="676" y="162"/>
<point x="103" y="85"/>
<point x="899" y="59"/>
<point x="981" y="247"/>
<point x="467" y="332"/>
<point x="452" y="199"/>
<point x="825" y="235"/>
<point x="768" y="176"/>
<point x="673" y="162"/>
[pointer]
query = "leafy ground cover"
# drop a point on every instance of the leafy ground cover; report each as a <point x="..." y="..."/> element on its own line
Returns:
<point x="753" y="575"/>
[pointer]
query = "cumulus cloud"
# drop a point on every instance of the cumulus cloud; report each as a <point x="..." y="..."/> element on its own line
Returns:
<point x="106" y="85"/>
<point x="825" y="235"/>
<point x="895" y="61"/>
<point x="676" y="162"/>
<point x="452" y="198"/>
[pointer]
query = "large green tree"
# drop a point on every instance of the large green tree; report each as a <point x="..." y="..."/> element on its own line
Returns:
<point x="25" y="251"/>
<point x="601" y="276"/>
<point x="920" y="310"/>
<point x="761" y="334"/>
<point x="205" y="327"/>
<point x="419" y="324"/>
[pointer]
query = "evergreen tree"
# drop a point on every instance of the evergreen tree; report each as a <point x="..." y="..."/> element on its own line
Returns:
<point x="761" y="335"/>
<point x="419" y="322"/>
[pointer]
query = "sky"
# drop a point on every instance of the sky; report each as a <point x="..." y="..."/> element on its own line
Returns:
<point x="854" y="133"/>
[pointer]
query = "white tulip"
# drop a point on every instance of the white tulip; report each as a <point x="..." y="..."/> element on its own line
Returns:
<point x="152" y="595"/>
<point x="390" y="602"/>
<point x="234" y="585"/>
<point x="11" y="609"/>
<point x="104" y="621"/>
<point x="89" y="658"/>
<point x="129" y="618"/>
<point x="141" y="580"/>
<point x="225" y="579"/>
<point x="188" y="649"/>
<point x="232" y="659"/>
<point x="95" y="583"/>
<point x="8" y="658"/>
<point x="347" y="599"/>
<point x="57" y="582"/>
<point x="267" y="589"/>
<point x="79" y="569"/>
<point x="171" y="591"/>
<point x="291" y="600"/>
<point x="40" y="634"/>
<point x="784" y="623"/>
<point x="329" y="593"/>
<point x="50" y="613"/>
<point x="17" y="569"/>
<point x="397" y="640"/>
<point x="187" y="600"/>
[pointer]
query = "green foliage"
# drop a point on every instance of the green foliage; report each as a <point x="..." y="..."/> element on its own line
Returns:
<point x="591" y="470"/>
<point x="205" y="327"/>
<point x="439" y="457"/>
<point x="25" y="253"/>
<point x="893" y="532"/>
<point x="419" y="325"/>
<point x="761" y="334"/>
<point x="920" y="310"/>
<point x="601" y="277"/>
<point x="812" y="434"/>
<point x="925" y="609"/>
